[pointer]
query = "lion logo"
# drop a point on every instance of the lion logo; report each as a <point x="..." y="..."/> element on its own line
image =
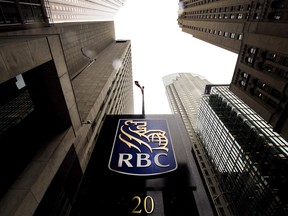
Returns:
<point x="142" y="147"/>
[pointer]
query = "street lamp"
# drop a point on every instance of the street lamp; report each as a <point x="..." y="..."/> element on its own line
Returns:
<point x="142" y="91"/>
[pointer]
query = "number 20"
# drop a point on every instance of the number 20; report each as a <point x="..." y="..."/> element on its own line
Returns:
<point x="137" y="210"/>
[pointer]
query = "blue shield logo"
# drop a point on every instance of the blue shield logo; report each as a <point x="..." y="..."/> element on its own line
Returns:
<point x="142" y="147"/>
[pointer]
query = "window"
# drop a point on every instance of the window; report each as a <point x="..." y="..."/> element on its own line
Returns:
<point x="257" y="16"/>
<point x="232" y="35"/>
<point x="242" y="83"/>
<point x="245" y="75"/>
<point x="10" y="13"/>
<point x="285" y="61"/>
<point x="252" y="50"/>
<point x="282" y="73"/>
<point x="270" y="56"/>
<point x="250" y="59"/>
<point x="275" y="16"/>
<point x="271" y="103"/>
<point x="265" y="66"/>
<point x="258" y="6"/>
<point x="240" y="37"/>
<point x="276" y="93"/>
<point x="278" y="4"/>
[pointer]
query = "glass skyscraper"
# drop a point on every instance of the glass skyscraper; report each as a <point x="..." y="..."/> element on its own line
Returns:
<point x="248" y="158"/>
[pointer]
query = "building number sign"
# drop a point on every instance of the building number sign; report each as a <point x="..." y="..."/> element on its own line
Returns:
<point x="147" y="205"/>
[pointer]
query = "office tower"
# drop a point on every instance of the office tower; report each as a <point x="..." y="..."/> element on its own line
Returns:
<point x="261" y="77"/>
<point x="56" y="84"/>
<point x="81" y="10"/>
<point x="184" y="91"/>
<point x="224" y="23"/>
<point x="257" y="31"/>
<point x="249" y="158"/>
<point x="23" y="14"/>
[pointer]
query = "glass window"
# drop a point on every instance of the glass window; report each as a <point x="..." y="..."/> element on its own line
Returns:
<point x="27" y="13"/>
<point x="278" y="4"/>
<point x="240" y="37"/>
<point x="285" y="61"/>
<point x="265" y="66"/>
<point x="250" y="59"/>
<point x="10" y="13"/>
<point x="252" y="50"/>
<point x="270" y="56"/>
<point x="242" y="83"/>
<point x="275" y="16"/>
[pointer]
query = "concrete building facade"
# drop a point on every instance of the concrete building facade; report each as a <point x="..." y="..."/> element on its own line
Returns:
<point x="257" y="31"/>
<point x="23" y="14"/>
<point x="57" y="84"/>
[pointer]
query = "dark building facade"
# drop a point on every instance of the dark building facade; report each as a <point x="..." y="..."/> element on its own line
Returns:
<point x="261" y="78"/>
<point x="57" y="84"/>
<point x="257" y="31"/>
<point x="249" y="158"/>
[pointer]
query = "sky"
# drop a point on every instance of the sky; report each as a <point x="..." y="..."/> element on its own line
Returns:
<point x="159" y="48"/>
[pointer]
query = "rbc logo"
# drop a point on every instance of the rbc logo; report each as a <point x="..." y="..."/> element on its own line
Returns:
<point x="142" y="147"/>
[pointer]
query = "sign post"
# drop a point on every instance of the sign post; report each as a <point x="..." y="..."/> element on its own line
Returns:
<point x="142" y="92"/>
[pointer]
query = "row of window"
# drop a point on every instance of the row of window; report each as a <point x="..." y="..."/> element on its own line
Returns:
<point x="276" y="4"/>
<point x="219" y="16"/>
<point x="31" y="12"/>
<point x="261" y="154"/>
<point x="234" y="16"/>
<point x="223" y="9"/>
<point x="267" y="61"/>
<point x="257" y="88"/>
<point x="250" y="115"/>
<point x="239" y="188"/>
<point x="193" y="3"/>
<point x="277" y="12"/>
<point x="231" y="35"/>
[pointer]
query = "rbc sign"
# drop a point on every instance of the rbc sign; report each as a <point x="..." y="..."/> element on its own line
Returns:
<point x="142" y="147"/>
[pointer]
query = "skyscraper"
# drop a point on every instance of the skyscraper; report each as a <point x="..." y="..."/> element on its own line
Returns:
<point x="80" y="10"/>
<point x="249" y="159"/>
<point x="23" y="14"/>
<point x="257" y="31"/>
<point x="224" y="23"/>
<point x="56" y="84"/>
<point x="184" y="91"/>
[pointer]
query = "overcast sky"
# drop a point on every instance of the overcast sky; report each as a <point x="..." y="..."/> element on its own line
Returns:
<point x="159" y="47"/>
